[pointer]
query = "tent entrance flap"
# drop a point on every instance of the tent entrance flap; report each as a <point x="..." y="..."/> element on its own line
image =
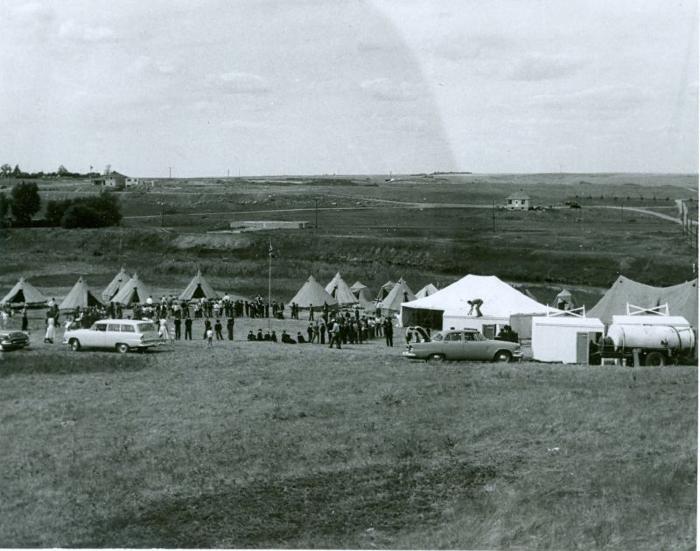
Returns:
<point x="424" y="317"/>
<point x="198" y="292"/>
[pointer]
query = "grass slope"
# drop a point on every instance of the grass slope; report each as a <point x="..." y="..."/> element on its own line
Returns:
<point x="257" y="445"/>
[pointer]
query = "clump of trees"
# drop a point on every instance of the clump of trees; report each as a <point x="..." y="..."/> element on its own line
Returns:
<point x="85" y="212"/>
<point x="24" y="202"/>
<point x="6" y="171"/>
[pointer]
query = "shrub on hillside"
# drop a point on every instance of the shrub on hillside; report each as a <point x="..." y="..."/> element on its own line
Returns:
<point x="85" y="212"/>
<point x="25" y="202"/>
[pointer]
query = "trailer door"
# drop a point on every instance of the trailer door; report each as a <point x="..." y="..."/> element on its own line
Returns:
<point x="582" y="348"/>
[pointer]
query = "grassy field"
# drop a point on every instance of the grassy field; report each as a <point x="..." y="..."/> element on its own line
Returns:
<point x="263" y="445"/>
<point x="426" y="228"/>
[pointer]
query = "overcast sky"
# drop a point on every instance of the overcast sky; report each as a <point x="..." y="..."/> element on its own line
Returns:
<point x="349" y="86"/>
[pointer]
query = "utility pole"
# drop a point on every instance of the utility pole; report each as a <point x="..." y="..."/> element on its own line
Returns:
<point x="170" y="173"/>
<point x="162" y="213"/>
<point x="316" y="206"/>
<point x="269" y="287"/>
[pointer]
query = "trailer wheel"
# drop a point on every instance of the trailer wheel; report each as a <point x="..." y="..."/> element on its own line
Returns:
<point x="655" y="359"/>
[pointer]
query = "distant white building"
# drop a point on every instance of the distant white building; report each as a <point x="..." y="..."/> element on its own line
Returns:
<point x="131" y="182"/>
<point x="113" y="180"/>
<point x="518" y="201"/>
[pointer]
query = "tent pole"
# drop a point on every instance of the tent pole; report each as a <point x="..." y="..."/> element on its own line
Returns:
<point x="269" y="288"/>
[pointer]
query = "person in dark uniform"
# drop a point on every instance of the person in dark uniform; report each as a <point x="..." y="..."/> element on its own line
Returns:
<point x="389" y="332"/>
<point x="178" y="324"/>
<point x="273" y="337"/>
<point x="207" y="326"/>
<point x="310" y="332"/>
<point x="267" y="336"/>
<point x="188" y="328"/>
<point x="251" y="336"/>
<point x="311" y="312"/>
<point x="259" y="336"/>
<point x="217" y="328"/>
<point x="25" y="320"/>
<point x="229" y="327"/>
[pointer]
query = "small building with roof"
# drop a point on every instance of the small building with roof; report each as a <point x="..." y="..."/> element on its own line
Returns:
<point x="518" y="201"/>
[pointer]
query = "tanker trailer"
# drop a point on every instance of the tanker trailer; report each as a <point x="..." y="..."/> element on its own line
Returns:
<point x="658" y="340"/>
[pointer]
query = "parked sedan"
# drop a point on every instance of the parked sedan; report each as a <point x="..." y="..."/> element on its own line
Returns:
<point x="13" y="340"/>
<point x="120" y="335"/>
<point x="465" y="344"/>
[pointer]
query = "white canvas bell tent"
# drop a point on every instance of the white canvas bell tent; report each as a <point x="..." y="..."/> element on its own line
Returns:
<point x="363" y="295"/>
<point x="313" y="295"/>
<point x="134" y="291"/>
<point x="24" y="294"/>
<point x="400" y="293"/>
<point x="340" y="291"/>
<point x="426" y="291"/>
<point x="80" y="296"/>
<point x="449" y="307"/>
<point x="198" y="288"/>
<point x="113" y="288"/>
<point x="384" y="290"/>
<point x="357" y="286"/>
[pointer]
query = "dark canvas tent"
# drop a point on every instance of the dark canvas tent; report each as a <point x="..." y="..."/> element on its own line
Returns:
<point x="198" y="288"/>
<point x="117" y="282"/>
<point x="312" y="294"/>
<point x="682" y="299"/>
<point x="79" y="296"/>
<point x="133" y="292"/>
<point x="24" y="294"/>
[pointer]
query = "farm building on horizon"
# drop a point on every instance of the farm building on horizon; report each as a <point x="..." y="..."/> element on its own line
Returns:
<point x="518" y="201"/>
<point x="112" y="180"/>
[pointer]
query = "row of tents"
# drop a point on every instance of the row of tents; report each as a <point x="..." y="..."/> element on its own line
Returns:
<point x="429" y="307"/>
<point x="123" y="289"/>
<point x="337" y="293"/>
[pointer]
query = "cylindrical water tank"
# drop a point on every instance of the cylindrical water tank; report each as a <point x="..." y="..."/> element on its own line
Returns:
<point x="651" y="336"/>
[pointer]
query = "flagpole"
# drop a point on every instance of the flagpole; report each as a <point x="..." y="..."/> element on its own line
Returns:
<point x="269" y="288"/>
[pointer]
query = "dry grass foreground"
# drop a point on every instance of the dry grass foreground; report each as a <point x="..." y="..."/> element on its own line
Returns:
<point x="263" y="445"/>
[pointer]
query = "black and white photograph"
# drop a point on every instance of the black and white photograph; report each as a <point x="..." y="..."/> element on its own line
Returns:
<point x="349" y="274"/>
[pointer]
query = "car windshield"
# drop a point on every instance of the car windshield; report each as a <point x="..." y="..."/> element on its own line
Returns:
<point x="145" y="327"/>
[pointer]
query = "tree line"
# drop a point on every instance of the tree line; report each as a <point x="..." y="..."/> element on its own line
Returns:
<point x="18" y="209"/>
<point x="6" y="171"/>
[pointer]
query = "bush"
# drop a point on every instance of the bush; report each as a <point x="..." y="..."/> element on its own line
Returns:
<point x="25" y="202"/>
<point x="86" y="212"/>
<point x="81" y="216"/>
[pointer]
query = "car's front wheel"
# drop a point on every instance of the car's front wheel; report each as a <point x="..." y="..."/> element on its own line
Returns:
<point x="502" y="356"/>
<point x="122" y="348"/>
<point x="74" y="345"/>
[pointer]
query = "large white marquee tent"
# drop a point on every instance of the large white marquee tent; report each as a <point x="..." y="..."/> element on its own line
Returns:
<point x="449" y="307"/>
